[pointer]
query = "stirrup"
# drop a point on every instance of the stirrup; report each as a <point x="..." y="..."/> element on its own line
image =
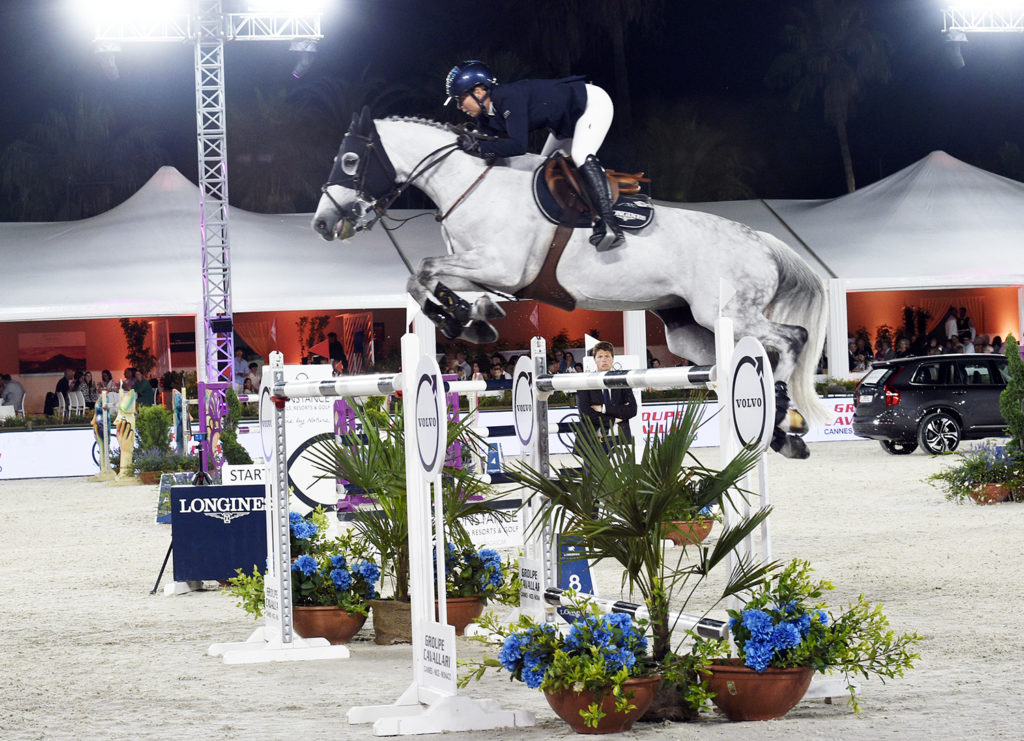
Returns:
<point x="605" y="239"/>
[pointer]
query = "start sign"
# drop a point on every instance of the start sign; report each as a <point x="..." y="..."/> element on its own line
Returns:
<point x="752" y="394"/>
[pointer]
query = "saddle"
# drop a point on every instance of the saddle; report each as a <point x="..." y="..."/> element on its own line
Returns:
<point x="562" y="199"/>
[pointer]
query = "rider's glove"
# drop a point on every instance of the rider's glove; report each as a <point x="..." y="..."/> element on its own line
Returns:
<point x="469" y="144"/>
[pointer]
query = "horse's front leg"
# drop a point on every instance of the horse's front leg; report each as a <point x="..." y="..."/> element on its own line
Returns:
<point x="440" y="277"/>
<point x="450" y="326"/>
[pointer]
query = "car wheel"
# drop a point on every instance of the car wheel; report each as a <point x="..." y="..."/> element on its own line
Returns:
<point x="898" y="447"/>
<point x="939" y="433"/>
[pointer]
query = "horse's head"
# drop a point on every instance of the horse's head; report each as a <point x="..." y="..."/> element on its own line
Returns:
<point x="362" y="175"/>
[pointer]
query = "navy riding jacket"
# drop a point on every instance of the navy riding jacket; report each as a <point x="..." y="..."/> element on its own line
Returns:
<point x="524" y="106"/>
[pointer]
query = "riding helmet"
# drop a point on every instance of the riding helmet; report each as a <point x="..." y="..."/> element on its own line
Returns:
<point x="465" y="76"/>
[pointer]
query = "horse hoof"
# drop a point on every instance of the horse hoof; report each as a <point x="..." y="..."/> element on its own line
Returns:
<point x="484" y="309"/>
<point x="479" y="332"/>
<point x="795" y="447"/>
<point x="451" y="329"/>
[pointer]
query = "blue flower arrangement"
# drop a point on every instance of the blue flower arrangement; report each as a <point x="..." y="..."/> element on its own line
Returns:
<point x="303" y="534"/>
<point x="785" y="624"/>
<point x="469" y="573"/>
<point x="329" y="580"/>
<point x="598" y="654"/>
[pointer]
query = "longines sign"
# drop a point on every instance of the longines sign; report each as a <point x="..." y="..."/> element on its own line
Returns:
<point x="217" y="529"/>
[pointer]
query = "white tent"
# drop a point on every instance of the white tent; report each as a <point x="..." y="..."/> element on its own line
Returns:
<point x="143" y="258"/>
<point x="939" y="223"/>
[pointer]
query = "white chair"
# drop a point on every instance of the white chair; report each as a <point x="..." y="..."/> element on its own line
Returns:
<point x="76" y="402"/>
<point x="20" y="410"/>
<point x="62" y="406"/>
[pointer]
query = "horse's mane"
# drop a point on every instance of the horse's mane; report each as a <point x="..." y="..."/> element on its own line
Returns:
<point x="418" y="120"/>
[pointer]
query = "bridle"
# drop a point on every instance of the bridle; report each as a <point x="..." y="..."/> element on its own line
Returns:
<point x="372" y="176"/>
<point x="370" y="173"/>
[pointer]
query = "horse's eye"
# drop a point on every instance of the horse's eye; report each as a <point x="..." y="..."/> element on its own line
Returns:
<point x="349" y="163"/>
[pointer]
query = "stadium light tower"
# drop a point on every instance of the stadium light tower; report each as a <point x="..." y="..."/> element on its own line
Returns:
<point x="204" y="24"/>
<point x="979" y="16"/>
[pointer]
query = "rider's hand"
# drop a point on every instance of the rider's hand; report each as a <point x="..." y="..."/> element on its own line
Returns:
<point x="469" y="144"/>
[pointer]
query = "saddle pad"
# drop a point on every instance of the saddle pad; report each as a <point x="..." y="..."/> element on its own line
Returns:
<point x="632" y="212"/>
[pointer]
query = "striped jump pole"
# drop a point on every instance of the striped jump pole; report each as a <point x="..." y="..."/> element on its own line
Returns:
<point x="703" y="626"/>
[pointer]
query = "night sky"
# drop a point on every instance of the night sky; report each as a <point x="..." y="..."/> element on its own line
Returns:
<point x="708" y="57"/>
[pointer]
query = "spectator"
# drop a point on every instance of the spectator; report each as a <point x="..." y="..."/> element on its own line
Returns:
<point x="577" y="367"/>
<point x="965" y="327"/>
<point x="655" y="363"/>
<point x="107" y="382"/>
<point x="240" y="370"/>
<point x="997" y="345"/>
<point x="336" y="352"/>
<point x="570" y="362"/>
<point x="950" y="325"/>
<point x="885" y="351"/>
<point x="609" y="410"/>
<point x="253" y="378"/>
<point x="477" y="373"/>
<point x="12" y="393"/>
<point x="902" y="348"/>
<point x="464" y="369"/>
<point x="145" y="393"/>
<point x="88" y="388"/>
<point x="497" y="359"/>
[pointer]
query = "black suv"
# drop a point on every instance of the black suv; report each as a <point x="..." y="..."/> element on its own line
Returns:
<point x="933" y="401"/>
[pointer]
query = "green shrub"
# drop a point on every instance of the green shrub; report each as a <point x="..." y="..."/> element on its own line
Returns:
<point x="153" y="426"/>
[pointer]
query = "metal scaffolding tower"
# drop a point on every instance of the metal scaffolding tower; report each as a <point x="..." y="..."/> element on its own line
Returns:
<point x="991" y="20"/>
<point x="207" y="27"/>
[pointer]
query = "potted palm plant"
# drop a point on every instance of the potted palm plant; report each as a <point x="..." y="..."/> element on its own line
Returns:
<point x="615" y="507"/>
<point x="373" y="461"/>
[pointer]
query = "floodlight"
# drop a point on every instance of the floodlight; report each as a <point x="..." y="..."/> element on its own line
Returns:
<point x="954" y="51"/>
<point x="105" y="53"/>
<point x="306" y="49"/>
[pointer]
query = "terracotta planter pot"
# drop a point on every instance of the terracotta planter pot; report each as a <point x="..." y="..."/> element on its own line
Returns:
<point x="149" y="478"/>
<point x="392" y="621"/>
<point x="462" y="611"/>
<point x="990" y="493"/>
<point x="332" y="623"/>
<point x="568" y="704"/>
<point x="686" y="532"/>
<point x="744" y="694"/>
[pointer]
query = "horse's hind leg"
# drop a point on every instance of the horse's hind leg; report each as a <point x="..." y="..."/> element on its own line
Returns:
<point x="685" y="337"/>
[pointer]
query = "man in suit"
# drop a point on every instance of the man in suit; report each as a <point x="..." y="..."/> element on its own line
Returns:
<point x="607" y="409"/>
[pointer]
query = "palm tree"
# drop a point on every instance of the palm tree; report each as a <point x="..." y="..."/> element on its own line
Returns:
<point x="373" y="460"/>
<point x="692" y="161"/>
<point x="833" y="54"/>
<point x="616" y="506"/>
<point x="77" y="163"/>
<point x="273" y="165"/>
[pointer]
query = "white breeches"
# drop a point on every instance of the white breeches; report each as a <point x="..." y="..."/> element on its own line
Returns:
<point x="590" y="131"/>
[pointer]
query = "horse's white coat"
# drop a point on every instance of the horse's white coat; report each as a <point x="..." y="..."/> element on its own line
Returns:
<point x="497" y="238"/>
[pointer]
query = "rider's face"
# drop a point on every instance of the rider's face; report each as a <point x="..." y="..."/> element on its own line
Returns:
<point x="469" y="104"/>
<point x="603" y="360"/>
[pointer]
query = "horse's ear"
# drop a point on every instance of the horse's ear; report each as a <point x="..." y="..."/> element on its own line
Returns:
<point x="355" y="122"/>
<point x="365" y="120"/>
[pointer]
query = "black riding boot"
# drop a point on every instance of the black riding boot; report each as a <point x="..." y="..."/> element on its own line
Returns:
<point x="607" y="233"/>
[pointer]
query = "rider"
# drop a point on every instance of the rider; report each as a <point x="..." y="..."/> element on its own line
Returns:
<point x="576" y="115"/>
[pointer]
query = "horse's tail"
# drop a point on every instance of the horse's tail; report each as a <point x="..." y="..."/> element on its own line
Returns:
<point x="801" y="300"/>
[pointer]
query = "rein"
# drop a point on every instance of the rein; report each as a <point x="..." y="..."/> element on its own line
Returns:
<point x="459" y="200"/>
